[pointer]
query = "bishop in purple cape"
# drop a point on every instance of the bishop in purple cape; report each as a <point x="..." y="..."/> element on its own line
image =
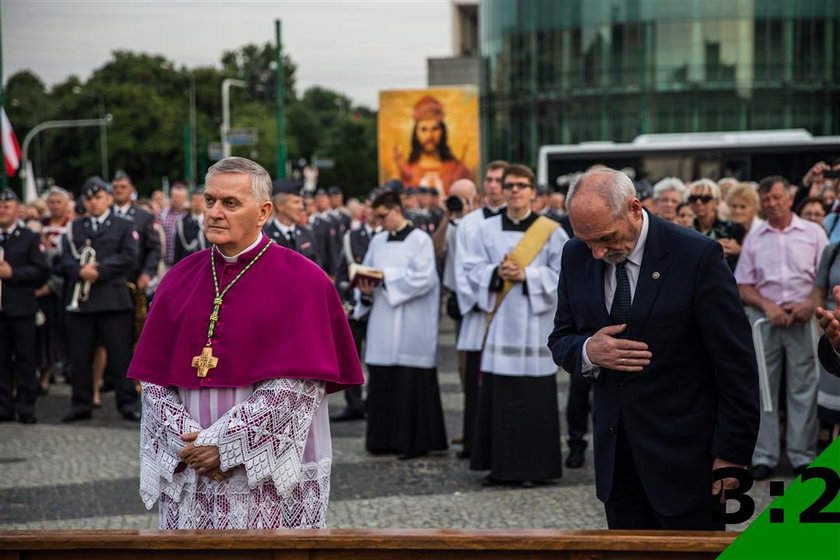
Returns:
<point x="282" y="319"/>
<point x="240" y="438"/>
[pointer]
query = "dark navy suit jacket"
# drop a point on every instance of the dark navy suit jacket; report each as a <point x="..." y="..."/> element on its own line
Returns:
<point x="698" y="398"/>
<point x="828" y="358"/>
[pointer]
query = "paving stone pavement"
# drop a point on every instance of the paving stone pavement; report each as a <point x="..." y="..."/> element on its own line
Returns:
<point x="85" y="476"/>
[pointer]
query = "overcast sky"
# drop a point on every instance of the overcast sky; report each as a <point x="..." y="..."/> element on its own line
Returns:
<point x="355" y="47"/>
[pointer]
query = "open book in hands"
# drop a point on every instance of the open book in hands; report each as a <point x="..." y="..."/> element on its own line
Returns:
<point x="372" y="275"/>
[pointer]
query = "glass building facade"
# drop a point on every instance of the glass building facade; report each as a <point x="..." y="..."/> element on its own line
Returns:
<point x="570" y="71"/>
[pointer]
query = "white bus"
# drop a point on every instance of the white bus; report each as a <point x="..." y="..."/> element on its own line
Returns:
<point x="747" y="156"/>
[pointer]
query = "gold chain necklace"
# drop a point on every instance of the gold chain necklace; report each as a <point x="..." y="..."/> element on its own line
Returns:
<point x="205" y="361"/>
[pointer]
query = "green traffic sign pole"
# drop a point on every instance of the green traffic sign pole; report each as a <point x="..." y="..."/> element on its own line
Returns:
<point x="188" y="156"/>
<point x="279" y="94"/>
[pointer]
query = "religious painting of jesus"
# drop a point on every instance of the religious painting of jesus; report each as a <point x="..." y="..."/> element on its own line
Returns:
<point x="430" y="137"/>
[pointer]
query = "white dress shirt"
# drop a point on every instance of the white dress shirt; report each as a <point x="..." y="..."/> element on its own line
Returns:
<point x="633" y="267"/>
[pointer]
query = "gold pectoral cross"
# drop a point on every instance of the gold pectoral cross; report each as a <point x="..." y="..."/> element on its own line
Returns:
<point x="204" y="362"/>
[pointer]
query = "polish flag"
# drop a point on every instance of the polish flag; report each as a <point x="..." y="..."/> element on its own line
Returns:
<point x="11" y="148"/>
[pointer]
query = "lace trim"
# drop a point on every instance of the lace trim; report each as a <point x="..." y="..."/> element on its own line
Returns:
<point x="265" y="434"/>
<point x="164" y="420"/>
<point x="234" y="504"/>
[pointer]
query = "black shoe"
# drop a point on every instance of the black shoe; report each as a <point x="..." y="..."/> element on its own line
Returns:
<point x="43" y="391"/>
<point x="348" y="414"/>
<point x="490" y="481"/>
<point x="131" y="414"/>
<point x="28" y="420"/>
<point x="74" y="415"/>
<point x="761" y="472"/>
<point x="797" y="471"/>
<point x="7" y="418"/>
<point x="412" y="455"/>
<point x="463" y="454"/>
<point x="576" y="458"/>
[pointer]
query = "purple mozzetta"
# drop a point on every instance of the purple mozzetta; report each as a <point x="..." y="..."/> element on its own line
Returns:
<point x="282" y="319"/>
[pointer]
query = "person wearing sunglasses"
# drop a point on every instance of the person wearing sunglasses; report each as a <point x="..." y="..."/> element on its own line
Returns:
<point x="704" y="197"/>
<point x="514" y="272"/>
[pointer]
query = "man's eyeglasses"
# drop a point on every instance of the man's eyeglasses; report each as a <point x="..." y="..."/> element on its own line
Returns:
<point x="520" y="185"/>
<point x="704" y="198"/>
<point x="382" y="215"/>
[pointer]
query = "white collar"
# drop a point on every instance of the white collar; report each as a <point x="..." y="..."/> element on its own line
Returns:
<point x="283" y="228"/>
<point x="11" y="229"/>
<point x="101" y="219"/>
<point x="639" y="250"/>
<point x="123" y="209"/>
<point x="520" y="220"/>
<point x="232" y="259"/>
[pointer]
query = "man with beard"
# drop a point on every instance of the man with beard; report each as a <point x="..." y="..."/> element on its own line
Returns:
<point x="431" y="162"/>
<point x="650" y="312"/>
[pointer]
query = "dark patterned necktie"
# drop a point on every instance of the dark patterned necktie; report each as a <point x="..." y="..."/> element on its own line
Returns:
<point x="620" y="310"/>
<point x="291" y="238"/>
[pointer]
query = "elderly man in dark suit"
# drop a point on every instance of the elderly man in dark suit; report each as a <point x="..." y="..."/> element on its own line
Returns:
<point x="650" y="313"/>
<point x="828" y="349"/>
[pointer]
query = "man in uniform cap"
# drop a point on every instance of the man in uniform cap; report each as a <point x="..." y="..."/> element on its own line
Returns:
<point x="283" y="228"/>
<point x="148" y="256"/>
<point x="394" y="185"/>
<point x="325" y="229"/>
<point x="106" y="316"/>
<point x="23" y="269"/>
<point x="339" y="212"/>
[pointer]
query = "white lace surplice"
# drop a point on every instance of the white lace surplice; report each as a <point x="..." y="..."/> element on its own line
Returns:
<point x="275" y="435"/>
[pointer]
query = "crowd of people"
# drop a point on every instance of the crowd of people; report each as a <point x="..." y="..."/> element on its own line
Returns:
<point x="656" y="324"/>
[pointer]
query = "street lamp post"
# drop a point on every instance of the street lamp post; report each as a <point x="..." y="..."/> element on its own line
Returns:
<point x="103" y="134"/>
<point x="55" y="124"/>
<point x="193" y="136"/>
<point x="226" y="84"/>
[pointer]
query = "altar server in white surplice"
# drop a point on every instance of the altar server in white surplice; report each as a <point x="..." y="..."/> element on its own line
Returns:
<point x="474" y="319"/>
<point x="404" y="409"/>
<point x="514" y="275"/>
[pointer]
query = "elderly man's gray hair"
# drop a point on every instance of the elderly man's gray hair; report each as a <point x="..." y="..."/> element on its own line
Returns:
<point x="56" y="190"/>
<point x="668" y="184"/>
<point x="260" y="179"/>
<point x="615" y="188"/>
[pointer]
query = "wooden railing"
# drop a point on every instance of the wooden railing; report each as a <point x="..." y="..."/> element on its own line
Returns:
<point x="346" y="544"/>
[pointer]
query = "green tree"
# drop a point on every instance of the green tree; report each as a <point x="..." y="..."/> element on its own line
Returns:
<point x="149" y="99"/>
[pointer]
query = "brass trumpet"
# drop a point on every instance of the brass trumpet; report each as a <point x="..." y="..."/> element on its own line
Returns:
<point x="81" y="291"/>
